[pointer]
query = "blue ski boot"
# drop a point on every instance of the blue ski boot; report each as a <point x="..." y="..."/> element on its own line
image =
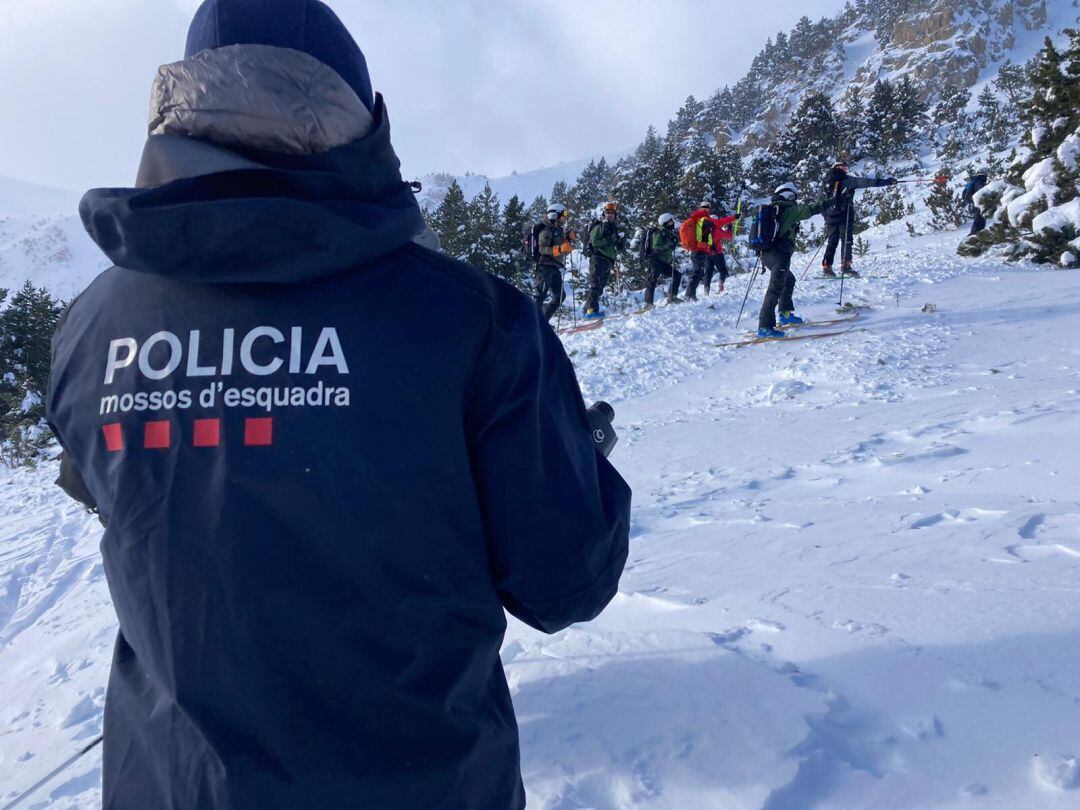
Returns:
<point x="790" y="319"/>
<point x="594" y="314"/>
<point x="766" y="332"/>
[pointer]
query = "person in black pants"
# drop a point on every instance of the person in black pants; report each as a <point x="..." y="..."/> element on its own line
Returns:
<point x="777" y="260"/>
<point x="661" y="261"/>
<point x="971" y="188"/>
<point x="840" y="188"/>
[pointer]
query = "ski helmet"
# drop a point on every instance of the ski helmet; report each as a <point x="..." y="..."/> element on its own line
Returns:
<point x="665" y="219"/>
<point x="841" y="165"/>
<point x="787" y="191"/>
<point x="556" y="210"/>
<point x="705" y="204"/>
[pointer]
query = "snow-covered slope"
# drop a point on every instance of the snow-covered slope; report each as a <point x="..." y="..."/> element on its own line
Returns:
<point x="935" y="43"/>
<point x="43" y="240"/>
<point x="853" y="572"/>
<point x="526" y="185"/>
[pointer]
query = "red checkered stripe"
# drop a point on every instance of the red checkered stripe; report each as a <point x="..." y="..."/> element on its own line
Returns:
<point x="158" y="434"/>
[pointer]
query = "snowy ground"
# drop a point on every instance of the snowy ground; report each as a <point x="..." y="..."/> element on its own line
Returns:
<point x="853" y="577"/>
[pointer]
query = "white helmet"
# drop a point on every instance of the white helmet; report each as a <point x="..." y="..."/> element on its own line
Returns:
<point x="664" y="219"/>
<point x="556" y="210"/>
<point x="787" y="191"/>
<point x="706" y="203"/>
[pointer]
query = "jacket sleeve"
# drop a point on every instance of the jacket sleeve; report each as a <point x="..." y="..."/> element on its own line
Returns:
<point x="852" y="183"/>
<point x="557" y="514"/>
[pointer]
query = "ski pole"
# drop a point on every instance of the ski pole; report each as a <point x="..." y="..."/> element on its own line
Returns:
<point x="812" y="260"/>
<point x="844" y="252"/>
<point x="748" y="286"/>
<point x="573" y="298"/>
<point x="940" y="180"/>
<point x="71" y="761"/>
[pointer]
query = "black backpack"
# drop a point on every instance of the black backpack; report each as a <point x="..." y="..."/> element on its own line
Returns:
<point x="586" y="243"/>
<point x="645" y="249"/>
<point x="531" y="243"/>
<point x="764" y="227"/>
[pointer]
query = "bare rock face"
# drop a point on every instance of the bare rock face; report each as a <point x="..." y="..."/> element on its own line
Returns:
<point x="936" y="43"/>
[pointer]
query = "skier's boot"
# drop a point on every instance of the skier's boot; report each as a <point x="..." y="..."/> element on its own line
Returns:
<point x="848" y="271"/>
<point x="594" y="314"/>
<point x="720" y="289"/>
<point x="646" y="308"/>
<point x="674" y="299"/>
<point x="827" y="271"/>
<point x="767" y="332"/>
<point x="790" y="319"/>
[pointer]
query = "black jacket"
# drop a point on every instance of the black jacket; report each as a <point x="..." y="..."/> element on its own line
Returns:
<point x="328" y="458"/>
<point x="840" y="188"/>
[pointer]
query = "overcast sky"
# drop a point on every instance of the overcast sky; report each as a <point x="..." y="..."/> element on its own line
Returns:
<point x="487" y="87"/>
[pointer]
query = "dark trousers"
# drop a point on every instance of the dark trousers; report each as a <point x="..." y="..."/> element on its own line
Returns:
<point x="781" y="287"/>
<point x="548" y="279"/>
<point x="704" y="264"/>
<point x="716" y="263"/>
<point x="659" y="269"/>
<point x="979" y="222"/>
<point x="836" y="232"/>
<point x="599" y="273"/>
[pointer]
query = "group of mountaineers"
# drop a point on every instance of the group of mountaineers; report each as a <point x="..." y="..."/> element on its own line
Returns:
<point x="772" y="229"/>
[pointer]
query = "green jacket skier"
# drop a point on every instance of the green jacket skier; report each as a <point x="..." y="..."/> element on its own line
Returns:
<point x="777" y="259"/>
<point x="661" y="260"/>
<point x="607" y="243"/>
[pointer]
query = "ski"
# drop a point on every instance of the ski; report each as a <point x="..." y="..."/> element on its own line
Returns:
<point x="808" y="336"/>
<point x="829" y="322"/>
<point x="586" y="326"/>
<point x="849" y="278"/>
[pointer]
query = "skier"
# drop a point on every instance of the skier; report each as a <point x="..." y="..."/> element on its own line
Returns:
<point x="777" y="260"/>
<point x="721" y="232"/>
<point x="840" y="188"/>
<point x="606" y="243"/>
<point x="971" y="188"/>
<point x="555" y="244"/>
<point x="326" y="456"/>
<point x="697" y="236"/>
<point x="660" y="257"/>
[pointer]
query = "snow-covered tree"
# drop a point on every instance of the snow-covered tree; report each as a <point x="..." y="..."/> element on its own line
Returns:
<point x="26" y="328"/>
<point x="450" y="222"/>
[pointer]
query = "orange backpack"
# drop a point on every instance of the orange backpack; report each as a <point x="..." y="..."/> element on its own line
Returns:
<point x="688" y="233"/>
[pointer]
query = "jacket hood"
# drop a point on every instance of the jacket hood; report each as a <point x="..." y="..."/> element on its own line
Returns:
<point x="257" y="97"/>
<point x="203" y="212"/>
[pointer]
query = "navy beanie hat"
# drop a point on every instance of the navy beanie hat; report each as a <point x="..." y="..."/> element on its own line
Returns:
<point x="303" y="25"/>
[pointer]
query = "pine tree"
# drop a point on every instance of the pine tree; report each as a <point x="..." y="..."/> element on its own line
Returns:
<point x="950" y="120"/>
<point x="512" y="230"/>
<point x="26" y="328"/>
<point x="912" y="122"/>
<point x="450" y="222"/>
<point x="809" y="143"/>
<point x="1051" y="95"/>
<point x="990" y="125"/>
<point x="482" y="231"/>
<point x="881" y="122"/>
<point x="946" y="205"/>
<point x="679" y="127"/>
<point x="536" y="210"/>
<point x="853" y="126"/>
